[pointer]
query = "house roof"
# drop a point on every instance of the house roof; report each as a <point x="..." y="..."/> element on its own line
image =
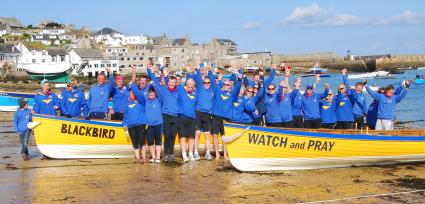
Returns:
<point x="178" y="42"/>
<point x="57" y="51"/>
<point x="88" y="52"/>
<point x="4" y="26"/>
<point x="8" y="48"/>
<point x="106" y="31"/>
<point x="226" y="42"/>
<point x="155" y="40"/>
<point x="13" y="22"/>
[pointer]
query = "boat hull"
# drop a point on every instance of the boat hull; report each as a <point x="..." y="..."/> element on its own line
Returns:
<point x="56" y="77"/>
<point x="420" y="81"/>
<point x="69" y="138"/>
<point x="268" y="149"/>
<point x="9" y="100"/>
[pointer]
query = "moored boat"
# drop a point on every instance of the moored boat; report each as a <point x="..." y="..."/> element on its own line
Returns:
<point x="9" y="100"/>
<point x="368" y="75"/>
<point x="267" y="149"/>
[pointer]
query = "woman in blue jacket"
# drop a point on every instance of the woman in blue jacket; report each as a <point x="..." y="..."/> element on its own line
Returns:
<point x="311" y="106"/>
<point x="327" y="111"/>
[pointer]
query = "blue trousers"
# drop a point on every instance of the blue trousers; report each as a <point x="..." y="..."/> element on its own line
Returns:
<point x="24" y="138"/>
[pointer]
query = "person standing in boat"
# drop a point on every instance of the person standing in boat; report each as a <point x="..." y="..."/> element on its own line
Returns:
<point x="359" y="104"/>
<point x="386" y="105"/>
<point x="224" y="97"/>
<point x="99" y="94"/>
<point x="244" y="110"/>
<point x="344" y="108"/>
<point x="311" y="106"/>
<point x="46" y="101"/>
<point x="372" y="112"/>
<point x="203" y="108"/>
<point x="73" y="101"/>
<point x="134" y="121"/>
<point x="20" y="121"/>
<point x="285" y="97"/>
<point x="143" y="85"/>
<point x="120" y="94"/>
<point x="328" y="111"/>
<point x="297" y="115"/>
<point x="170" y="111"/>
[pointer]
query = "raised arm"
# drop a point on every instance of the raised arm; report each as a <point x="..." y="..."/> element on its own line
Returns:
<point x="111" y="77"/>
<point x="373" y="94"/>
<point x="326" y="92"/>
<point x="236" y="89"/>
<point x="138" y="93"/>
<point x="270" y="79"/>
<point x="401" y="95"/>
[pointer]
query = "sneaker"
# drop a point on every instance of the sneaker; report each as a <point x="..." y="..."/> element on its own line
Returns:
<point x="196" y="156"/>
<point x="191" y="157"/>
<point x="152" y="160"/>
<point x="208" y="157"/>
<point x="166" y="158"/>
<point x="185" y="159"/>
<point x="171" y="158"/>
<point x="157" y="161"/>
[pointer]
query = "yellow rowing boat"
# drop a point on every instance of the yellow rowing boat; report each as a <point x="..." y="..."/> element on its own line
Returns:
<point x="68" y="138"/>
<point x="266" y="149"/>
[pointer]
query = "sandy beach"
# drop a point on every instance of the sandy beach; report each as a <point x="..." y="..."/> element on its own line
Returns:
<point x="42" y="180"/>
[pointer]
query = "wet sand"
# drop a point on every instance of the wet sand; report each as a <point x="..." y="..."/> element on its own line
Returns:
<point x="121" y="180"/>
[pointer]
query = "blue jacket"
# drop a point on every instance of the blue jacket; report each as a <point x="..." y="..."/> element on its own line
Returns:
<point x="243" y="110"/>
<point x="311" y="105"/>
<point x="344" y="107"/>
<point x="187" y="102"/>
<point x="297" y="103"/>
<point x="134" y="114"/>
<point x="99" y="96"/>
<point x="372" y="114"/>
<point x="120" y="98"/>
<point x="44" y="104"/>
<point x="21" y="120"/>
<point x="386" y="105"/>
<point x="72" y="102"/>
<point x="168" y="98"/>
<point x="205" y="96"/>
<point x="328" y="111"/>
<point x="360" y="104"/>
<point x="223" y="100"/>
<point x="272" y="104"/>
<point x="285" y="104"/>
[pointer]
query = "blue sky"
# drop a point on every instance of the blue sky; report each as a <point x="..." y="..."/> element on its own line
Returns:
<point x="365" y="27"/>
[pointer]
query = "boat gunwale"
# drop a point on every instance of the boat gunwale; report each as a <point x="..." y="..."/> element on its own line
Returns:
<point x="329" y="135"/>
<point x="77" y="120"/>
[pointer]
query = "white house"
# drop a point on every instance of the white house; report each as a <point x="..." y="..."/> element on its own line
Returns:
<point x="90" y="62"/>
<point x="133" y="40"/>
<point x="109" y="37"/>
<point x="4" y="29"/>
<point x="53" y="31"/>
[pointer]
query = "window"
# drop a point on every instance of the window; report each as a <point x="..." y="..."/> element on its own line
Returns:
<point x="109" y="50"/>
<point x="34" y="61"/>
<point x="90" y="65"/>
<point x="96" y="66"/>
<point x="134" y="58"/>
<point x="102" y="65"/>
<point x="114" y="65"/>
<point x="53" y="59"/>
<point x="182" y="50"/>
<point x="128" y="59"/>
<point x="122" y="59"/>
<point x="108" y="65"/>
<point x="129" y="65"/>
<point x="137" y="53"/>
<point x="141" y="58"/>
<point x="62" y="58"/>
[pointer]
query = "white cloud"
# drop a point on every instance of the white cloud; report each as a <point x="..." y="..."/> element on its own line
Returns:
<point x="252" y="25"/>
<point x="406" y="18"/>
<point x="316" y="16"/>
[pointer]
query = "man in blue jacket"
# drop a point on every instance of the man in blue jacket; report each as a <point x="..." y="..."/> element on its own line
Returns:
<point x="311" y="106"/>
<point x="21" y="119"/>
<point x="170" y="111"/>
<point x="359" y="104"/>
<point x="99" y="95"/>
<point x="73" y="101"/>
<point x="46" y="101"/>
<point x="386" y="105"/>
<point x="120" y="94"/>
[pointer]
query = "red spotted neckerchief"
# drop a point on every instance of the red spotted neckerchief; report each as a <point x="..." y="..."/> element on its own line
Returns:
<point x="172" y="89"/>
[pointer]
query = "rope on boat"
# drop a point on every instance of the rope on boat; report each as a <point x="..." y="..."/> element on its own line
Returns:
<point x="233" y="137"/>
<point x="365" y="196"/>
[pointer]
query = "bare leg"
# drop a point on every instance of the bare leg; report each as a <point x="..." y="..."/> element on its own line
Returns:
<point x="137" y="154"/>
<point x="183" y="145"/>
<point x="158" y="151"/>
<point x="216" y="148"/>
<point x="207" y="141"/>
<point x="152" y="151"/>
<point x="191" y="146"/>
<point x="225" y="151"/>
<point x="197" y="136"/>
<point x="143" y="150"/>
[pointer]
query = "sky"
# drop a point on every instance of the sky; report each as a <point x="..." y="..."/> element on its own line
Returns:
<point x="364" y="27"/>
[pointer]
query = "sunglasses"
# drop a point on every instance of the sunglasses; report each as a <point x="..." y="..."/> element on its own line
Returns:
<point x="250" y="91"/>
<point x="309" y="88"/>
<point x="207" y="82"/>
<point x="226" y="84"/>
<point x="271" y="89"/>
<point x="284" y="87"/>
<point x="342" y="88"/>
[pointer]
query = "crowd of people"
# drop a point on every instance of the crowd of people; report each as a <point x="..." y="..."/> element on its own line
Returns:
<point x="162" y="105"/>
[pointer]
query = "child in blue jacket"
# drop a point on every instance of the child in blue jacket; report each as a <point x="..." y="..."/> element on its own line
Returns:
<point x="21" y="119"/>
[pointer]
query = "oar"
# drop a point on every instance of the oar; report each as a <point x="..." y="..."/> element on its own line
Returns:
<point x="32" y="125"/>
<point x="233" y="137"/>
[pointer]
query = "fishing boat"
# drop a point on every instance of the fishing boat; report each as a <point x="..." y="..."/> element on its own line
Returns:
<point x="368" y="75"/>
<point x="266" y="149"/>
<point x="70" y="138"/>
<point x="9" y="100"/>
<point x="419" y="79"/>
<point x="316" y="69"/>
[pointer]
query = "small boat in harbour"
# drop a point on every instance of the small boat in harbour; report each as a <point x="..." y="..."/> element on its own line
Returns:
<point x="9" y="100"/>
<point x="268" y="149"/>
<point x="368" y="75"/>
<point x="420" y="79"/>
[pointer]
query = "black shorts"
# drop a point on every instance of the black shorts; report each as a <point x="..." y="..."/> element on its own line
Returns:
<point x="186" y="127"/>
<point x="117" y="116"/>
<point x="217" y="125"/>
<point x="203" y="121"/>
<point x="154" y="135"/>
